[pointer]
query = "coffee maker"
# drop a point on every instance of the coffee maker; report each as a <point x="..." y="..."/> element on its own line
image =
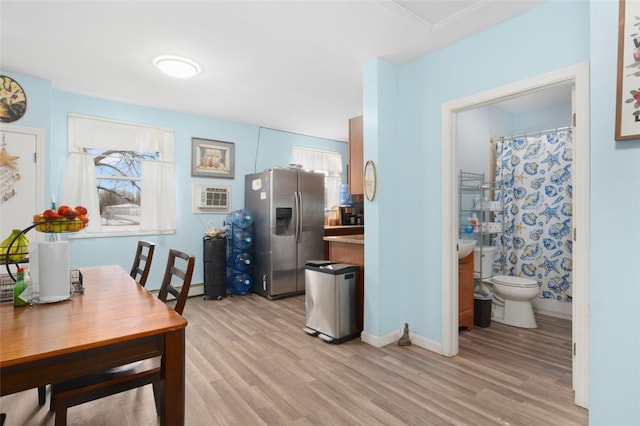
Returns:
<point x="347" y="215"/>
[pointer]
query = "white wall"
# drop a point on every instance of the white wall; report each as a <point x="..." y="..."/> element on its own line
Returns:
<point x="474" y="129"/>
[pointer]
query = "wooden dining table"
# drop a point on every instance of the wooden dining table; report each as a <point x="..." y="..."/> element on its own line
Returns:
<point x="114" y="322"/>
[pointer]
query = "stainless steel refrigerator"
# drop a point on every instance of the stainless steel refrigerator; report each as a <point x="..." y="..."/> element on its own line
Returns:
<point x="288" y="226"/>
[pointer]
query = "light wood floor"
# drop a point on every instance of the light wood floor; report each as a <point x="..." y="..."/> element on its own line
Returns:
<point x="250" y="363"/>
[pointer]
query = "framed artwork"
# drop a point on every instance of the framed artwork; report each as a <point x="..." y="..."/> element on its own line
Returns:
<point x="628" y="94"/>
<point x="211" y="158"/>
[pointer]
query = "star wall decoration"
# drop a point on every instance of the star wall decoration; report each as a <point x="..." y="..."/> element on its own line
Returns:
<point x="7" y="160"/>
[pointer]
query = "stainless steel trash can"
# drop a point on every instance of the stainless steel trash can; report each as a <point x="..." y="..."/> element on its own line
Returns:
<point x="330" y="300"/>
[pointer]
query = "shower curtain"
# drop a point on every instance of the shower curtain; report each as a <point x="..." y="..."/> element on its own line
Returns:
<point x="534" y="175"/>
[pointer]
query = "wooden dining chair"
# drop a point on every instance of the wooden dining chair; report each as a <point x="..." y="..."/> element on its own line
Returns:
<point x="88" y="388"/>
<point x="142" y="262"/>
<point x="139" y="272"/>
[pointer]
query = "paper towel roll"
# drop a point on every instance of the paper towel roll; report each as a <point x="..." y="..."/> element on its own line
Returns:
<point x="53" y="271"/>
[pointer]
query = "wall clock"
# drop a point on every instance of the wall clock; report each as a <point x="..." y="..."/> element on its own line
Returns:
<point x="13" y="100"/>
<point x="370" y="180"/>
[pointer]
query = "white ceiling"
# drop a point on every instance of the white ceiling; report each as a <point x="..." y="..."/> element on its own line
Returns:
<point x="288" y="65"/>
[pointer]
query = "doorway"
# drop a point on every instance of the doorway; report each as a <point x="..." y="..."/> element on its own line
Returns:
<point x="578" y="77"/>
<point x="22" y="193"/>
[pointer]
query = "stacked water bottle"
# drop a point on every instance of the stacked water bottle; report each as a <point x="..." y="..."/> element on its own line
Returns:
<point x="239" y="248"/>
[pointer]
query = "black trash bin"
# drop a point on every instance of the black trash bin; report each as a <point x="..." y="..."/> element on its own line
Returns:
<point x="482" y="309"/>
<point x="215" y="269"/>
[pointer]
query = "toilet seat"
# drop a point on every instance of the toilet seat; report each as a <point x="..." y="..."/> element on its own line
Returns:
<point x="514" y="281"/>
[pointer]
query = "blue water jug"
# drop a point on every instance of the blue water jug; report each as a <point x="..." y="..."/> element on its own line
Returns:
<point x="345" y="197"/>
<point x="240" y="261"/>
<point x="240" y="282"/>
<point x="242" y="240"/>
<point x="242" y="218"/>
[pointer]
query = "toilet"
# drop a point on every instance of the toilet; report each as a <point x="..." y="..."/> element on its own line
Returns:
<point x="512" y="296"/>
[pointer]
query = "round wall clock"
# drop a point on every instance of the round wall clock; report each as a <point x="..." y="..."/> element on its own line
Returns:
<point x="13" y="100"/>
<point x="370" y="180"/>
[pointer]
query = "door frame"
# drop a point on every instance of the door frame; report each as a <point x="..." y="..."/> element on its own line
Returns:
<point x="40" y="162"/>
<point x="578" y="75"/>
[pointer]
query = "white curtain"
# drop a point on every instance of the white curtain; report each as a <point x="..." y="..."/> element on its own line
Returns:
<point x="157" y="196"/>
<point x="79" y="187"/>
<point x="158" y="201"/>
<point x="92" y="132"/>
<point x="314" y="159"/>
<point x="326" y="161"/>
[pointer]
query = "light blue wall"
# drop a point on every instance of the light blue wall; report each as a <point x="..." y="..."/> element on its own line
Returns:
<point x="381" y="123"/>
<point x="549" y="118"/>
<point x="476" y="126"/>
<point x="614" y="378"/>
<point x="38" y="101"/>
<point x="473" y="65"/>
<point x="255" y="147"/>
<point x="551" y="36"/>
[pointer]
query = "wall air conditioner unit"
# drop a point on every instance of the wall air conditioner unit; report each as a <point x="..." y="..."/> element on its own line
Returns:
<point x="211" y="198"/>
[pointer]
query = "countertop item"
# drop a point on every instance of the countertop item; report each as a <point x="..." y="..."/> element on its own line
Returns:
<point x="351" y="239"/>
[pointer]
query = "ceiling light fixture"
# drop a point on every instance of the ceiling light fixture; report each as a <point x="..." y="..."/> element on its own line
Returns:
<point x="176" y="66"/>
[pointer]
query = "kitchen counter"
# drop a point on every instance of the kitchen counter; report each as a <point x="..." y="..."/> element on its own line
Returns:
<point x="348" y="239"/>
<point x="345" y="227"/>
<point x="342" y="231"/>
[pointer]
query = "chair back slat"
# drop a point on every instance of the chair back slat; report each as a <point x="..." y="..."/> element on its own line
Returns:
<point x="142" y="262"/>
<point x="179" y="265"/>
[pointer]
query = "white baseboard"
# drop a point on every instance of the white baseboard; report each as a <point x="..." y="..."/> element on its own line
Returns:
<point x="195" y="290"/>
<point x="380" y="341"/>
<point x="552" y="308"/>
<point x="394" y="336"/>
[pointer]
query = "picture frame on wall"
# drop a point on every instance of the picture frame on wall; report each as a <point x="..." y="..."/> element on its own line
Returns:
<point x="212" y="158"/>
<point x="628" y="84"/>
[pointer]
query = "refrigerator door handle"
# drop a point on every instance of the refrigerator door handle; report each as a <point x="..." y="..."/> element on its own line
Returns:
<point x="298" y="211"/>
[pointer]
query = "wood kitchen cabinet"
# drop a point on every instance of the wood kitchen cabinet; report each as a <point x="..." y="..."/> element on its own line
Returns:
<point x="465" y="292"/>
<point x="356" y="156"/>
<point x="332" y="231"/>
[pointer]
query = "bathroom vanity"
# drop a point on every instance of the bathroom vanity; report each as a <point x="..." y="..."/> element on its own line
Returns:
<point x="465" y="292"/>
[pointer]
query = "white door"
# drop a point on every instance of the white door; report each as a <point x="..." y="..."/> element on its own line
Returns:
<point x="21" y="171"/>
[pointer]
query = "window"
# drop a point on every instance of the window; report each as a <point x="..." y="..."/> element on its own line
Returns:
<point x="123" y="174"/>
<point x="327" y="162"/>
<point x="118" y="181"/>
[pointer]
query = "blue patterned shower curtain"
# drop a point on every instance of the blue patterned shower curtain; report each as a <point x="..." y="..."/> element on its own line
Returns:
<point x="536" y="178"/>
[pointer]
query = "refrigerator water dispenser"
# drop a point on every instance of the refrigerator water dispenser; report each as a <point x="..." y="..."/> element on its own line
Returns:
<point x="284" y="224"/>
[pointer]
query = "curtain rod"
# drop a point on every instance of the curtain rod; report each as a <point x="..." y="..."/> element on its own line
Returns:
<point x="538" y="133"/>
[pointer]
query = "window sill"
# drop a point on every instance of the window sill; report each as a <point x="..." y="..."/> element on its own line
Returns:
<point x="119" y="233"/>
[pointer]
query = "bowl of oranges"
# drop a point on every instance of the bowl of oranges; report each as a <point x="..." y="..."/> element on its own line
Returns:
<point x="62" y="219"/>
